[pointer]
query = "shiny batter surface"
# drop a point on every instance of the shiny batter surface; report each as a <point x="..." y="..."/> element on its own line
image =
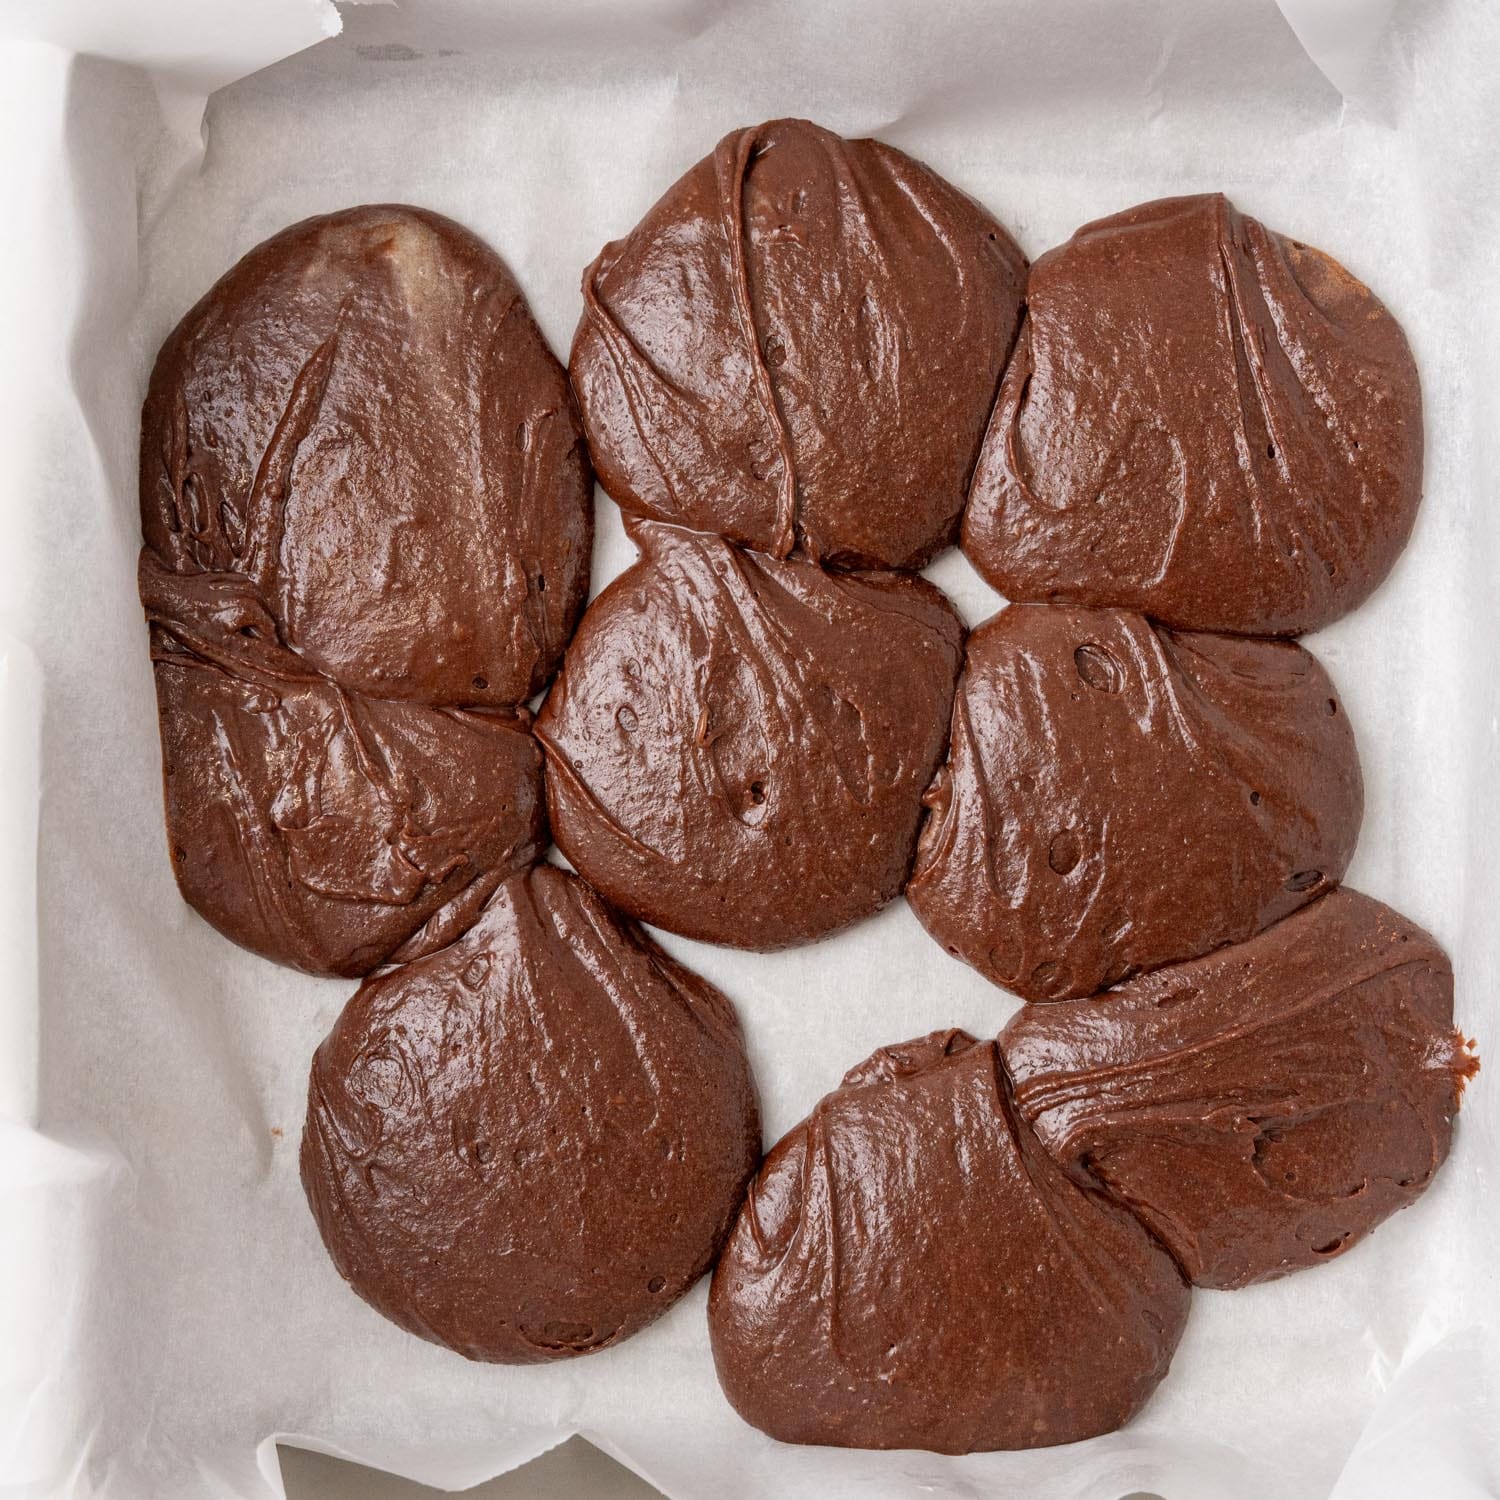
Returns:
<point x="912" y="1270"/>
<point x="799" y="346"/>
<point x="1202" y="420"/>
<point x="323" y="828"/>
<point x="1263" y="1108"/>
<point x="737" y="747"/>
<point x="1119" y="796"/>
<point x="528" y="1145"/>
<point x="366" y="511"/>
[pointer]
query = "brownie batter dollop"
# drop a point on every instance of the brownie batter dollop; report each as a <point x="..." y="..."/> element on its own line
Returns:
<point x="1264" y="1108"/>
<point x="799" y="346"/>
<point x="366" y="512"/>
<point x="1119" y="796"/>
<point x="737" y="746"/>
<point x="1202" y="420"/>
<point x="911" y="1270"/>
<point x="528" y="1145"/>
<point x="321" y="828"/>
<point x="362" y="422"/>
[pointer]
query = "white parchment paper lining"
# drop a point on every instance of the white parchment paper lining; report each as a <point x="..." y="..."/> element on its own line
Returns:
<point x="169" y="1312"/>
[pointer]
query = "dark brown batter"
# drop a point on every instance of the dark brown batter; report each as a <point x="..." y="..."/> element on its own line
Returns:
<point x="528" y="1145"/>
<point x="1119" y="796"/>
<point x="1263" y="1108"/>
<point x="799" y="346"/>
<point x="362" y="424"/>
<point x="737" y="746"/>
<point x="366" y="510"/>
<point x="321" y="828"/>
<point x="1203" y="421"/>
<point x="911" y="1270"/>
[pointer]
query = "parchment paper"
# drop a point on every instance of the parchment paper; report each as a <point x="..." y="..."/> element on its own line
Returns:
<point x="169" y="1310"/>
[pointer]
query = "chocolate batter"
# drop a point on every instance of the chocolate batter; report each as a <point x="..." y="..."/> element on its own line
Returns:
<point x="1263" y="1108"/>
<point x="361" y="425"/>
<point x="528" y="1145"/>
<point x="1203" y="421"/>
<point x="366" y="511"/>
<point x="799" y="346"/>
<point x="1119" y="796"/>
<point x="911" y="1270"/>
<point x="320" y="828"/>
<point x="737" y="746"/>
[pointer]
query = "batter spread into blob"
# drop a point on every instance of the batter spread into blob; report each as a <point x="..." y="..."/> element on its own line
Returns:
<point x="1265" y="1107"/>
<point x="529" y="1144"/>
<point x="1119" y="796"/>
<point x="366" y="511"/>
<point x="1202" y="420"/>
<point x="737" y="746"/>
<point x="798" y="347"/>
<point x="911" y="1270"/>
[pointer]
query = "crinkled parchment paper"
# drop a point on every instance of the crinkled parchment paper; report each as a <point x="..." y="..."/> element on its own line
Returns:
<point x="168" y="1310"/>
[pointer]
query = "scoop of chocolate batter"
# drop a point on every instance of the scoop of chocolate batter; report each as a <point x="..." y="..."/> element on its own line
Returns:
<point x="799" y="346"/>
<point x="1202" y="420"/>
<point x="325" y="829"/>
<point x="1263" y="1108"/>
<point x="528" y="1145"/>
<point x="1119" y="796"/>
<point x="362" y="422"/>
<point x="911" y="1270"/>
<point x="737" y="746"/>
<point x="366" y="506"/>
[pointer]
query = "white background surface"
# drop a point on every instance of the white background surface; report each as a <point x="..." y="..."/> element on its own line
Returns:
<point x="169" y="1308"/>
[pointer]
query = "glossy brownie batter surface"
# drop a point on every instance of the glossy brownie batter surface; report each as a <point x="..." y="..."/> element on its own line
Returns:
<point x="1119" y="796"/>
<point x="1202" y="420"/>
<point x="737" y="746"/>
<point x="528" y="1145"/>
<point x="799" y="347"/>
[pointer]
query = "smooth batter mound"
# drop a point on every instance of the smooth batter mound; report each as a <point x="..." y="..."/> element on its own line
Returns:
<point x="1119" y="796"/>
<point x="366" y="510"/>
<point x="912" y="1270"/>
<point x="1264" y="1108"/>
<point x="799" y="346"/>
<point x="530" y="1144"/>
<point x="737" y="747"/>
<point x="1203" y="421"/>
